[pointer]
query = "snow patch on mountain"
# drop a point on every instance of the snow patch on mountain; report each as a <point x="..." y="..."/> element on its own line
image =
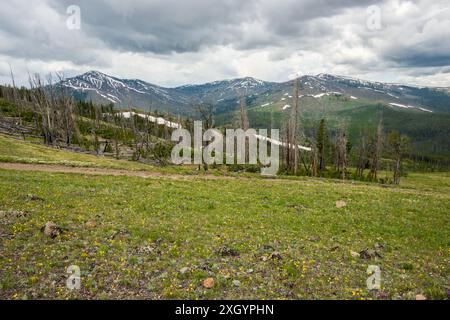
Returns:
<point x="409" y="107"/>
<point x="157" y="120"/>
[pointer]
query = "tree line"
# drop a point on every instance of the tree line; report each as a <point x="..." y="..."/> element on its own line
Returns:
<point x="103" y="129"/>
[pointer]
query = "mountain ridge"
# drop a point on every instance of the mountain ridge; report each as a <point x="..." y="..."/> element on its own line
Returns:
<point x="102" y="88"/>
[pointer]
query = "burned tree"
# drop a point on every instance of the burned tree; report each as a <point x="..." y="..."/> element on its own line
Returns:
<point x="322" y="144"/>
<point x="341" y="148"/>
<point x="206" y="113"/>
<point x="362" y="157"/>
<point x="399" y="145"/>
<point x="376" y="150"/>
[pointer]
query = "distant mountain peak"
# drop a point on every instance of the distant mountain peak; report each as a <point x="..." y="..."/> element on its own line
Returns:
<point x="93" y="74"/>
<point x="102" y="88"/>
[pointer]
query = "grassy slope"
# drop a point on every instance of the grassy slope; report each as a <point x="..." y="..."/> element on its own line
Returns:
<point x="161" y="225"/>
<point x="15" y="150"/>
<point x="148" y="229"/>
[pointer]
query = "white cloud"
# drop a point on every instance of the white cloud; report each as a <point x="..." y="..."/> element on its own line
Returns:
<point x="173" y="42"/>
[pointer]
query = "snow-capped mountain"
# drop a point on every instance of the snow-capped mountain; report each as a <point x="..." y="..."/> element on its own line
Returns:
<point x="104" y="89"/>
<point x="423" y="99"/>
<point x="225" y="89"/>
<point x="101" y="88"/>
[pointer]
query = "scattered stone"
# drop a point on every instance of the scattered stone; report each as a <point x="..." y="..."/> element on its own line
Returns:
<point x="184" y="270"/>
<point x="275" y="256"/>
<point x="148" y="249"/>
<point x="51" y="229"/>
<point x="120" y="234"/>
<point x="33" y="197"/>
<point x="340" y="204"/>
<point x="208" y="283"/>
<point x="334" y="247"/>
<point x="354" y="254"/>
<point x="250" y="271"/>
<point x="420" y="297"/>
<point x="236" y="283"/>
<point x="13" y="214"/>
<point x="369" y="254"/>
<point x="207" y="266"/>
<point x="91" y="224"/>
<point x="225" y="251"/>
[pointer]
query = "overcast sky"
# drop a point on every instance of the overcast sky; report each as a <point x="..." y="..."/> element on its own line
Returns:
<point x="175" y="42"/>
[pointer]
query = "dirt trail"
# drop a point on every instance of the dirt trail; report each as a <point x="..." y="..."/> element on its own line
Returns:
<point x="129" y="173"/>
<point x="93" y="171"/>
<point x="107" y="171"/>
<point x="149" y="174"/>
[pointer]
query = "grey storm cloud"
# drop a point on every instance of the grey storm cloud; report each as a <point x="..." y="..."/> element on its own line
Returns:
<point x="421" y="59"/>
<point x="165" y="26"/>
<point x="200" y="33"/>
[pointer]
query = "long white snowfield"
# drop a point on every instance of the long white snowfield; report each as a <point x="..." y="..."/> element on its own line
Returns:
<point x="157" y="120"/>
<point x="279" y="143"/>
<point x="162" y="121"/>
<point x="408" y="107"/>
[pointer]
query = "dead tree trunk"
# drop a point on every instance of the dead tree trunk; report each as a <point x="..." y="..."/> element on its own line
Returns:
<point x="295" y="129"/>
<point x="362" y="155"/>
<point x="376" y="151"/>
<point x="244" y="123"/>
<point x="342" y="152"/>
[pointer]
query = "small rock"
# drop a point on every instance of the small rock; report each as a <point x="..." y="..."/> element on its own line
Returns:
<point x="51" y="229"/>
<point x="378" y="246"/>
<point x="236" y="283"/>
<point x="340" y="204"/>
<point x="208" y="283"/>
<point x="225" y="251"/>
<point x="207" y="266"/>
<point x="250" y="271"/>
<point x="146" y="249"/>
<point x="14" y="214"/>
<point x="420" y="297"/>
<point x="33" y="197"/>
<point x="369" y="254"/>
<point x="334" y="248"/>
<point x="91" y="224"/>
<point x="184" y="270"/>
<point x="275" y="256"/>
<point x="120" y="234"/>
<point x="354" y="254"/>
